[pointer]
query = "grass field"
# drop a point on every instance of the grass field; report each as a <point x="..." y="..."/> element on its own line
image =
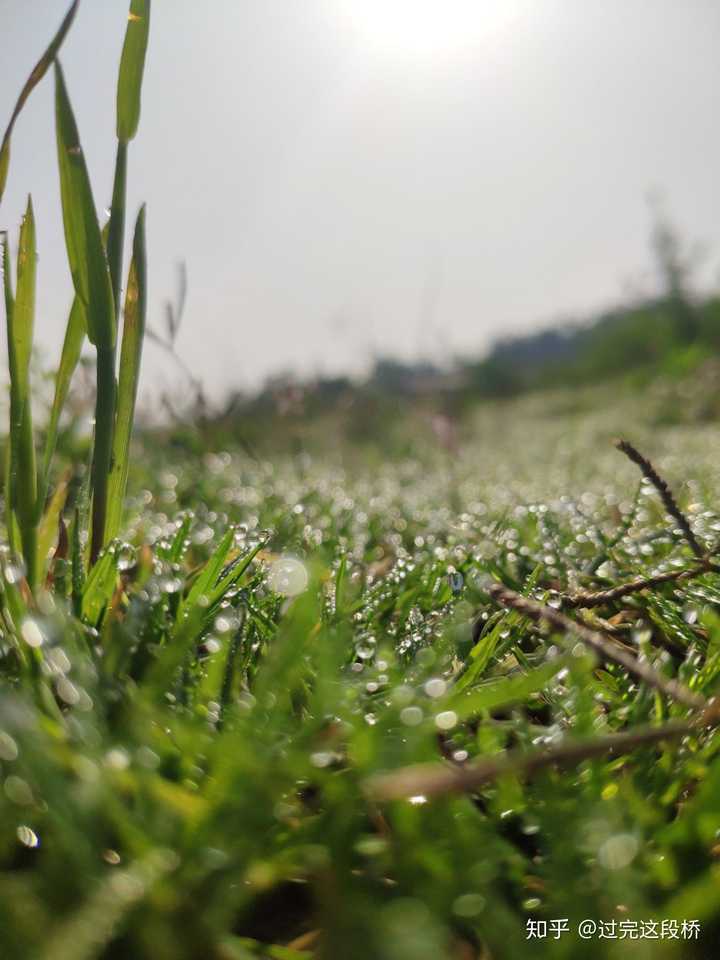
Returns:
<point x="202" y="765"/>
<point x="454" y="702"/>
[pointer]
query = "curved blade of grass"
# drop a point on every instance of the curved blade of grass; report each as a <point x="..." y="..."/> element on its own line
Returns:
<point x="497" y="693"/>
<point x="91" y="278"/>
<point x="236" y="571"/>
<point x="38" y="72"/>
<point x="132" y="66"/>
<point x="21" y="318"/>
<point x="83" y="239"/>
<point x="130" y="354"/>
<point x="207" y="578"/>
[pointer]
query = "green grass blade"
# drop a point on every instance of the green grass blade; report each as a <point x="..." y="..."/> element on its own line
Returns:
<point x="38" y="72"/>
<point x="99" y="587"/>
<point x="86" y="254"/>
<point x="132" y="66"/>
<point x="72" y="347"/>
<point x="102" y="453"/>
<point x="207" y="578"/>
<point x="20" y="322"/>
<point x="10" y="465"/>
<point x="77" y="566"/>
<point x="49" y="527"/>
<point x="130" y="354"/>
<point x="513" y="689"/>
<point x="116" y="231"/>
<point x="91" y="278"/>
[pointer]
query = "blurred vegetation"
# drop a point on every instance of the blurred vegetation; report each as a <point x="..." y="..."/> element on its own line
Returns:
<point x="672" y="336"/>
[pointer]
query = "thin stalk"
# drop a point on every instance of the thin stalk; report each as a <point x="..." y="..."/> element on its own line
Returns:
<point x="434" y="779"/>
<point x="600" y="598"/>
<point x="116" y="232"/>
<point x="602" y="645"/>
<point x="102" y="453"/>
<point x="666" y="495"/>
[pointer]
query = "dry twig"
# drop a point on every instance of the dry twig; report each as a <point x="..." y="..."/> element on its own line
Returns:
<point x="665" y="492"/>
<point x="598" y="642"/>
<point x="601" y="597"/>
<point x="433" y="779"/>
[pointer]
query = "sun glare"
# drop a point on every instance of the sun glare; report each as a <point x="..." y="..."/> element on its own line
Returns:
<point x="426" y="28"/>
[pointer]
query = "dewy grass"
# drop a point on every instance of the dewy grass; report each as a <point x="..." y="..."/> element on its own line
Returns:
<point x="202" y="757"/>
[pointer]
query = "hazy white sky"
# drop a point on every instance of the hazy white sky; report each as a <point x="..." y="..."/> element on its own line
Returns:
<point x="348" y="177"/>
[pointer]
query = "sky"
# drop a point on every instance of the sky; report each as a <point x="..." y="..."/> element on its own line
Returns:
<point x="353" y="178"/>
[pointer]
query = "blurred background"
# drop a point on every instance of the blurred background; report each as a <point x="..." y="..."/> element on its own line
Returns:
<point x="388" y="188"/>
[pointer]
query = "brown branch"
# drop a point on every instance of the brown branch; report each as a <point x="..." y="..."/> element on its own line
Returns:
<point x="601" y="597"/>
<point x="598" y="642"/>
<point x="432" y="779"/>
<point x="665" y="492"/>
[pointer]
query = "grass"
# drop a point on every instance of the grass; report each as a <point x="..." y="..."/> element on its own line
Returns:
<point x="314" y="707"/>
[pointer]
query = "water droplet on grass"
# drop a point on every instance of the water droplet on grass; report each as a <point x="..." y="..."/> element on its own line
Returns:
<point x="27" y="837"/>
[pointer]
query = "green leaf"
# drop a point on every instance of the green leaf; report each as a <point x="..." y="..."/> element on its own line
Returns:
<point x="20" y="322"/>
<point x="71" y="349"/>
<point x="99" y="587"/>
<point x="130" y="354"/>
<point x="132" y="65"/>
<point x="86" y="254"/>
<point x="207" y="578"/>
<point x="49" y="525"/>
<point x="38" y="72"/>
<point x="512" y="689"/>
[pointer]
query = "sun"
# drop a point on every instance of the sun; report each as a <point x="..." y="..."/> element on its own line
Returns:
<point x="430" y="28"/>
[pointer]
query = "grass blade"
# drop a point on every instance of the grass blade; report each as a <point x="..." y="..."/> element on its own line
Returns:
<point x="72" y="347"/>
<point x="130" y="354"/>
<point x="20" y="322"/>
<point x="49" y="527"/>
<point x="207" y="578"/>
<point x="132" y="66"/>
<point x="38" y="72"/>
<point x="91" y="278"/>
<point x="86" y="254"/>
<point x="99" y="588"/>
<point x="511" y="689"/>
<point x="116" y="226"/>
<point x="9" y="466"/>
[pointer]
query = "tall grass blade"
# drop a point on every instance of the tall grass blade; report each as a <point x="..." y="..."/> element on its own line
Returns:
<point x="86" y="254"/>
<point x="38" y="72"/>
<point x="72" y="347"/>
<point x="116" y="232"/>
<point x="130" y="355"/>
<point x="91" y="278"/>
<point x="9" y="465"/>
<point x="20" y="322"/>
<point x="132" y="66"/>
